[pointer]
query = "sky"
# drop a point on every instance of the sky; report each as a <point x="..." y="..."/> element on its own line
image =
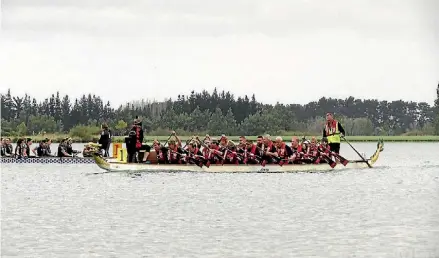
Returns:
<point x="288" y="51"/>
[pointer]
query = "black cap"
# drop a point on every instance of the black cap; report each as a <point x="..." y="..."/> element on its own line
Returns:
<point x="28" y="139"/>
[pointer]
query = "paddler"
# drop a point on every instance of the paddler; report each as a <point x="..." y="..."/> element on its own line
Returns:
<point x="333" y="131"/>
<point x="63" y="149"/>
<point x="20" y="149"/>
<point x="41" y="150"/>
<point x="270" y="153"/>
<point x="69" y="147"/>
<point x="215" y="151"/>
<point x="242" y="141"/>
<point x="323" y="150"/>
<point x="240" y="148"/>
<point x="284" y="151"/>
<point x="28" y="147"/>
<point x="312" y="150"/>
<point x="161" y="152"/>
<point x="225" y="142"/>
<point x="47" y="146"/>
<point x="296" y="147"/>
<point x="260" y="141"/>
<point x="253" y="154"/>
<point x="7" y="148"/>
<point x="194" y="155"/>
<point x="174" y="153"/>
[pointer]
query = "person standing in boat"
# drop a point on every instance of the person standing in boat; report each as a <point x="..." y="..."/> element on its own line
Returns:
<point x="333" y="131"/>
<point x="134" y="140"/>
<point x="105" y="140"/>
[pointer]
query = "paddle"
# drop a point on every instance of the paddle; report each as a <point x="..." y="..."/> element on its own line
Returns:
<point x="356" y="151"/>
<point x="168" y="139"/>
<point x="337" y="156"/>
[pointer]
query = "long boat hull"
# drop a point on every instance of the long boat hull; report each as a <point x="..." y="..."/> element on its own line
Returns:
<point x="269" y="168"/>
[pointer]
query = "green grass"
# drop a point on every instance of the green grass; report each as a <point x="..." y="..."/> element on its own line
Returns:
<point x="402" y="138"/>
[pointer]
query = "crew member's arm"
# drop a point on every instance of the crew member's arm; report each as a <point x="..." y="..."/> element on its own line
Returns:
<point x="64" y="152"/>
<point x="177" y="138"/>
<point x="324" y="132"/>
<point x="34" y="150"/>
<point x="272" y="152"/>
<point x="341" y="129"/>
<point x="289" y="152"/>
<point x="141" y="135"/>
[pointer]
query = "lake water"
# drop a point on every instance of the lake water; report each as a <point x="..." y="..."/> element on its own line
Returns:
<point x="389" y="211"/>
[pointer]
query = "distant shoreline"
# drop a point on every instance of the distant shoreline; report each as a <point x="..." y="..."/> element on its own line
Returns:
<point x="147" y="138"/>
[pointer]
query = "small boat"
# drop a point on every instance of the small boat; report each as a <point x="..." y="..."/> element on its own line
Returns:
<point x="121" y="166"/>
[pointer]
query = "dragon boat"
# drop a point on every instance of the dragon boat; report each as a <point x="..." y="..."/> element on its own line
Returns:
<point x="120" y="165"/>
<point x="47" y="160"/>
<point x="55" y="160"/>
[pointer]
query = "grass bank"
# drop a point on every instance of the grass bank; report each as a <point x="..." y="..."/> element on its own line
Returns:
<point x="150" y="138"/>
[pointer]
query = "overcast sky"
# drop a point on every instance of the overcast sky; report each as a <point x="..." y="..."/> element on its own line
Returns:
<point x="292" y="51"/>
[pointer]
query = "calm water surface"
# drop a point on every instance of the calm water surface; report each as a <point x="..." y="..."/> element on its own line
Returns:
<point x="63" y="211"/>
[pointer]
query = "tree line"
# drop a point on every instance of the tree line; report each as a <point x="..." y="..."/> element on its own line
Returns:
<point x="216" y="113"/>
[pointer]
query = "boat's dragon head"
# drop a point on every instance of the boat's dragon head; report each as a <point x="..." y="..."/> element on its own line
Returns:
<point x="93" y="148"/>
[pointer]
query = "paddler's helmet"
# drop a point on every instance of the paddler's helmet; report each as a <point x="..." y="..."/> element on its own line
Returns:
<point x="171" y="142"/>
<point x="324" y="140"/>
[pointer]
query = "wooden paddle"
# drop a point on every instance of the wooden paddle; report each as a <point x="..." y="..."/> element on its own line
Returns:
<point x="356" y="151"/>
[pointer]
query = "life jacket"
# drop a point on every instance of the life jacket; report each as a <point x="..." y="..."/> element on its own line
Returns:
<point x="298" y="149"/>
<point x="253" y="149"/>
<point x="160" y="155"/>
<point x="282" y="152"/>
<point x="215" y="150"/>
<point x="61" y="149"/>
<point x="232" y="156"/>
<point x="313" y="148"/>
<point x="138" y="143"/>
<point x="326" y="149"/>
<point x="41" y="151"/>
<point x="269" y="146"/>
<point x="194" y="151"/>
<point x="172" y="154"/>
<point x="332" y="132"/>
<point x="9" y="148"/>
<point x="20" y="150"/>
<point x="206" y="153"/>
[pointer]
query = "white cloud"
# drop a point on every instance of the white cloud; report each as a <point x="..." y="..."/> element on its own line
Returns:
<point x="304" y="49"/>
